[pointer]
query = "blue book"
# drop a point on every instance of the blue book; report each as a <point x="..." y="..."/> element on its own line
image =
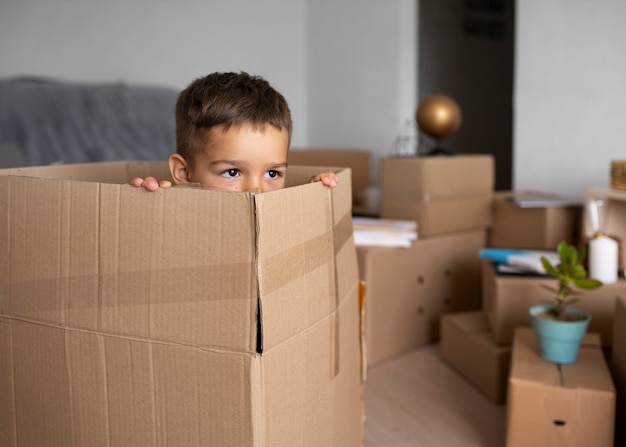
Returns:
<point x="528" y="260"/>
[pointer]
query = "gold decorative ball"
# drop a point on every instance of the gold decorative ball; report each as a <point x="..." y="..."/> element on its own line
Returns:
<point x="438" y="116"/>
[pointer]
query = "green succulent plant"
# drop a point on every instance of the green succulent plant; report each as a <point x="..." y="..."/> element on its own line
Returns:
<point x="570" y="272"/>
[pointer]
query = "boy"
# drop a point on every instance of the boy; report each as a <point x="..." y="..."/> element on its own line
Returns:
<point x="233" y="132"/>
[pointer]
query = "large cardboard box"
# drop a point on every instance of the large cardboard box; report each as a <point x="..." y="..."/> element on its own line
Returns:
<point x="539" y="228"/>
<point x="467" y="345"/>
<point x="182" y="317"/>
<point x="613" y="217"/>
<point x="555" y="405"/>
<point x="618" y="368"/>
<point x="408" y="289"/>
<point x="358" y="160"/>
<point x="443" y="194"/>
<point x="507" y="298"/>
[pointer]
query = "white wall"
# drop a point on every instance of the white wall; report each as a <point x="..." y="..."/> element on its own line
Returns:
<point x="347" y="67"/>
<point x="362" y="71"/>
<point x="161" y="42"/>
<point x="570" y="94"/>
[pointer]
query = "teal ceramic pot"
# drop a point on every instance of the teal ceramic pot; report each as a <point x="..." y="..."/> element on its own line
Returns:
<point x="559" y="341"/>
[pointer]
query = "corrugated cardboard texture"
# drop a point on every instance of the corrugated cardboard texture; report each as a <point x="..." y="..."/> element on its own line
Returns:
<point x="408" y="289"/>
<point x="507" y="298"/>
<point x="467" y="345"/>
<point x="618" y="368"/>
<point x="532" y="228"/>
<point x="132" y="318"/>
<point x="559" y="405"/>
<point x="443" y="194"/>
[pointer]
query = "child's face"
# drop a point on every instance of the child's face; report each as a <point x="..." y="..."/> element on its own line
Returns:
<point x="242" y="159"/>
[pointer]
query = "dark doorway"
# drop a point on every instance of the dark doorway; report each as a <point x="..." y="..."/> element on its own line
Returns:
<point x="466" y="51"/>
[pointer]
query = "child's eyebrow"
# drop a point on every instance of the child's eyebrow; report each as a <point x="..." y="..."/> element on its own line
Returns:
<point x="278" y="165"/>
<point x="274" y="165"/>
<point x="229" y="162"/>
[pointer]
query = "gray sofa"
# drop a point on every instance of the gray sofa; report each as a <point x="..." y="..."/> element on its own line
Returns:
<point x="45" y="121"/>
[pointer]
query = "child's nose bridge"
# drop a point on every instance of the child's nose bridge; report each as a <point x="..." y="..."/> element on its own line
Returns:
<point x="252" y="183"/>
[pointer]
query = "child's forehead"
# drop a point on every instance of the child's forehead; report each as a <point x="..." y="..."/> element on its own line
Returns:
<point x="220" y="135"/>
<point x="246" y="141"/>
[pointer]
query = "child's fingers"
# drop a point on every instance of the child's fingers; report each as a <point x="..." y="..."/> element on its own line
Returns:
<point x="327" y="179"/>
<point x="330" y="179"/>
<point x="136" y="181"/>
<point x="151" y="184"/>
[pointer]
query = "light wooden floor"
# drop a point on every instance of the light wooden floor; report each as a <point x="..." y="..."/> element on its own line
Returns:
<point x="418" y="400"/>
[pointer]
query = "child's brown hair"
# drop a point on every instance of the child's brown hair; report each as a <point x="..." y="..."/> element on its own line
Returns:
<point x="226" y="99"/>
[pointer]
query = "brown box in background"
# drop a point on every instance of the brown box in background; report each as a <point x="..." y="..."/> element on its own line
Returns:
<point x="443" y="194"/>
<point x="359" y="162"/>
<point x="408" y="289"/>
<point x="508" y="297"/>
<point x="184" y="316"/>
<point x="551" y="405"/>
<point x="467" y="345"/>
<point x="618" y="368"/>
<point x="537" y="227"/>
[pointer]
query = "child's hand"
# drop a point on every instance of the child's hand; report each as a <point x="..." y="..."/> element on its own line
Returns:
<point x="327" y="178"/>
<point x="150" y="183"/>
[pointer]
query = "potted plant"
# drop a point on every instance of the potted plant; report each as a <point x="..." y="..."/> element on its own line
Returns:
<point x="559" y="327"/>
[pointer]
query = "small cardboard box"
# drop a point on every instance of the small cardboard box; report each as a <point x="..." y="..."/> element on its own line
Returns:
<point x="539" y="228"/>
<point x="467" y="345"/>
<point x="443" y="194"/>
<point x="359" y="162"/>
<point x="180" y="317"/>
<point x="559" y="405"/>
<point x="618" y="368"/>
<point x="612" y="218"/>
<point x="507" y="298"/>
<point x="408" y="289"/>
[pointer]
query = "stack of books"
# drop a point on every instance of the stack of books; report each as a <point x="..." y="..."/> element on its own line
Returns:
<point x="372" y="231"/>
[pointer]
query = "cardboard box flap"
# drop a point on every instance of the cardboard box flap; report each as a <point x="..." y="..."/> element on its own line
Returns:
<point x="104" y="172"/>
<point x="298" y="279"/>
<point x="296" y="260"/>
<point x="136" y="255"/>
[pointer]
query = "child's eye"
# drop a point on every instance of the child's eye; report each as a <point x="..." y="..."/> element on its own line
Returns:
<point x="230" y="173"/>
<point x="273" y="174"/>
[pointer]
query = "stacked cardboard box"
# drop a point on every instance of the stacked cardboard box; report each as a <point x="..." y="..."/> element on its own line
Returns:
<point x="180" y="317"/>
<point x="506" y="298"/>
<point x="559" y="405"/>
<point x="467" y="345"/>
<point x="443" y="194"/>
<point x="409" y="289"/>
<point x="541" y="224"/>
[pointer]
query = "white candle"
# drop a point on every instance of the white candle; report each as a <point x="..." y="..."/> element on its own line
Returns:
<point x="603" y="259"/>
